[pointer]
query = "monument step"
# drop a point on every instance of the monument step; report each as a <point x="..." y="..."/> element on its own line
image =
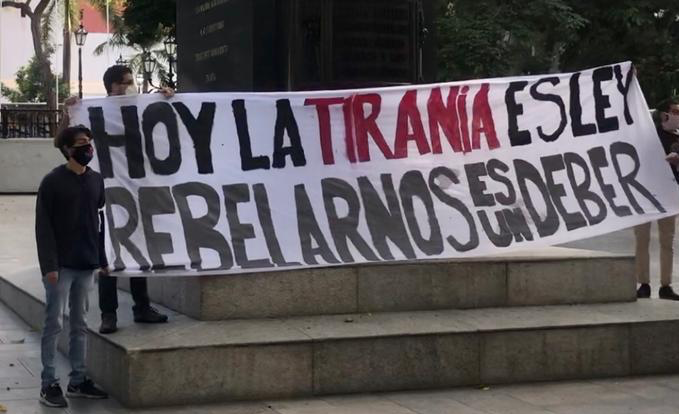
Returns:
<point x="189" y="361"/>
<point x="549" y="276"/>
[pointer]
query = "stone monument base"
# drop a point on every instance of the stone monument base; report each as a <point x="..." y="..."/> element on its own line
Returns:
<point x="388" y="343"/>
<point x="550" y="276"/>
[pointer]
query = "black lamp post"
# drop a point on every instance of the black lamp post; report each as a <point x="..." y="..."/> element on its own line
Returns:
<point x="148" y="65"/>
<point x="121" y="61"/>
<point x="80" y="37"/>
<point x="170" y="50"/>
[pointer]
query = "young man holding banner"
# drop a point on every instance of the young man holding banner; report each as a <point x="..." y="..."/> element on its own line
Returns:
<point x="668" y="131"/>
<point x="118" y="81"/>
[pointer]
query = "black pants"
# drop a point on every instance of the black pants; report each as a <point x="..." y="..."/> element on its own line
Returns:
<point x="108" y="293"/>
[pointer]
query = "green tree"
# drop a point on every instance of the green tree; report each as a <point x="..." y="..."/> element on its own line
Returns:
<point x="643" y="31"/>
<point x="31" y="86"/>
<point x="147" y="22"/>
<point x="143" y="25"/>
<point x="39" y="21"/>
<point x="488" y="38"/>
<point x="483" y="38"/>
<point x="41" y="18"/>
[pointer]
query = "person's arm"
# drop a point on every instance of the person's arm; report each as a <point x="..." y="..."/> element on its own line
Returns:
<point x="44" y="232"/>
<point x="65" y="117"/>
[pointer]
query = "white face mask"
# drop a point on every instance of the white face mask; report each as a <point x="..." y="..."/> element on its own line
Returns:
<point x="132" y="90"/>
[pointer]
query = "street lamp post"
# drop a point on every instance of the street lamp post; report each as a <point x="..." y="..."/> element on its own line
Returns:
<point x="148" y="66"/>
<point x="170" y="50"/>
<point x="121" y="61"/>
<point x="80" y="37"/>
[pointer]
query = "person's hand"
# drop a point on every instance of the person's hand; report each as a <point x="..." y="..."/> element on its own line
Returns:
<point x="167" y="92"/>
<point x="71" y="100"/>
<point x="52" y="278"/>
<point x="672" y="158"/>
<point x="103" y="271"/>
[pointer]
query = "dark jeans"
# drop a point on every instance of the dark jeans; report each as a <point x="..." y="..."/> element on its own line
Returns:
<point x="108" y="293"/>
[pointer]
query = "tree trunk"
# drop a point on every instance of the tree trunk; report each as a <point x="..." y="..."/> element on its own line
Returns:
<point x="40" y="56"/>
<point x="557" y="51"/>
<point x="66" y="65"/>
<point x="43" y="62"/>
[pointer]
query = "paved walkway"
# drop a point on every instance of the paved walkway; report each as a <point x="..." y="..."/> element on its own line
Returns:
<point x="20" y="382"/>
<point x="20" y="365"/>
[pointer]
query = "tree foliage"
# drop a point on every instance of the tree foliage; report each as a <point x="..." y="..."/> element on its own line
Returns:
<point x="38" y="22"/>
<point x="148" y="21"/>
<point x="42" y="17"/>
<point x="31" y="85"/>
<point x="143" y="23"/>
<point x="68" y="13"/>
<point x="488" y="38"/>
<point x="484" y="38"/>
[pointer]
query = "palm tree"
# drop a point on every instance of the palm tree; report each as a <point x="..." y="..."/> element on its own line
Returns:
<point x="119" y="39"/>
<point x="71" y="19"/>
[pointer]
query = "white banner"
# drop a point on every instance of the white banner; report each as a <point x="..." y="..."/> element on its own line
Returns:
<point x="243" y="182"/>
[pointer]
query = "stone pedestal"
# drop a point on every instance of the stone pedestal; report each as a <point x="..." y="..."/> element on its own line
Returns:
<point x="550" y="276"/>
<point x="376" y="328"/>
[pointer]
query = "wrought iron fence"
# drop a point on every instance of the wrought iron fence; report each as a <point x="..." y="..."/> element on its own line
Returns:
<point x="28" y="122"/>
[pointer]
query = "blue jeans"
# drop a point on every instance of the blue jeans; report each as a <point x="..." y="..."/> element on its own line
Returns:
<point x="73" y="287"/>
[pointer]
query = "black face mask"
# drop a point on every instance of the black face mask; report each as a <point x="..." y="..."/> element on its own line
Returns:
<point x="83" y="155"/>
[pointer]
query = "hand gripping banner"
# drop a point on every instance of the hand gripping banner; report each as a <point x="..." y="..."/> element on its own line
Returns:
<point x="245" y="182"/>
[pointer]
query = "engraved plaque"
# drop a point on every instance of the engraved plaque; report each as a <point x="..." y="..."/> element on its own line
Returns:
<point x="373" y="40"/>
<point x="265" y="45"/>
<point x="214" y="47"/>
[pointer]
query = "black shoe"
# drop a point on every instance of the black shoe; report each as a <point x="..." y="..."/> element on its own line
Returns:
<point x="51" y="396"/>
<point x="666" y="292"/>
<point x="149" y="315"/>
<point x="109" y="323"/>
<point x="85" y="390"/>
<point x="644" y="291"/>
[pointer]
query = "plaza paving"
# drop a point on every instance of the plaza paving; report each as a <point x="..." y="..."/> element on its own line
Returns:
<point x="20" y="364"/>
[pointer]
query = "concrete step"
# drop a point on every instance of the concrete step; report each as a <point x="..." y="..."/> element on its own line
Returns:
<point x="189" y="361"/>
<point x="550" y="276"/>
